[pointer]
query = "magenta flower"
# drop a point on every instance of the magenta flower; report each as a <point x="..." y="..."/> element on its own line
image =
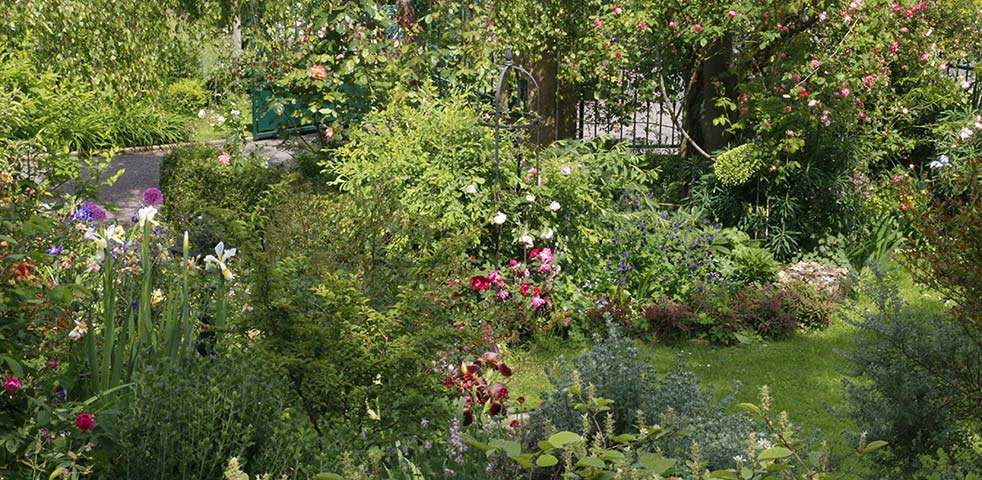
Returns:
<point x="503" y="294"/>
<point x="537" y="302"/>
<point x="85" y="422"/>
<point x="546" y="255"/>
<point x="12" y="385"/>
<point x="153" y="197"/>
<point x="697" y="28"/>
<point x="545" y="268"/>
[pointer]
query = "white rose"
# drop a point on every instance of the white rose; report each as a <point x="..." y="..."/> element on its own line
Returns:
<point x="499" y="218"/>
<point x="554" y="206"/>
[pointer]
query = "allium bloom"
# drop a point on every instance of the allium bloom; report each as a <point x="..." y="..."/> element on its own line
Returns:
<point x="318" y="72"/>
<point x="85" y="422"/>
<point x="96" y="212"/>
<point x="153" y="197"/>
<point x="12" y="385"/>
<point x="499" y="218"/>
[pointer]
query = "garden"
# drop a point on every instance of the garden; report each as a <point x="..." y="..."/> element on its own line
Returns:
<point x="514" y="239"/>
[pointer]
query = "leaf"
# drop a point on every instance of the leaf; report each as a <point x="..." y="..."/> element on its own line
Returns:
<point x="774" y="453"/>
<point x="513" y="449"/>
<point x="560" y="439"/>
<point x="328" y="476"/>
<point x="469" y="440"/>
<point x="656" y="463"/>
<point x="546" y="460"/>
<point x="749" y="407"/>
<point x="875" y="445"/>
<point x="590" y="462"/>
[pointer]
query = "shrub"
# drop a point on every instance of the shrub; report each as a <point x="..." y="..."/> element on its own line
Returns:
<point x="211" y="200"/>
<point x="184" y="420"/>
<point x="185" y="97"/>
<point x="750" y="262"/>
<point x="810" y="307"/>
<point x="669" y="319"/>
<point x="914" y="382"/>
<point x="614" y="369"/>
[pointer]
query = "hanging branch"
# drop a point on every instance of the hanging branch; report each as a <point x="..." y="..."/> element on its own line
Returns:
<point x="675" y="122"/>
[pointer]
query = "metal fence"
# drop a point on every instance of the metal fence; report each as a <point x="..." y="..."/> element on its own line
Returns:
<point x="649" y="129"/>
<point x="965" y="75"/>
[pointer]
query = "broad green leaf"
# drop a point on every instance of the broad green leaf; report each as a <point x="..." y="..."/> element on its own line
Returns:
<point x="546" y="460"/>
<point x="512" y="448"/>
<point x="875" y="445"/>
<point x="591" y="462"/>
<point x="560" y="439"/>
<point x="773" y="453"/>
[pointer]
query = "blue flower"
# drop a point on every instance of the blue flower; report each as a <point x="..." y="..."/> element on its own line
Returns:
<point x="942" y="162"/>
<point x="55" y="249"/>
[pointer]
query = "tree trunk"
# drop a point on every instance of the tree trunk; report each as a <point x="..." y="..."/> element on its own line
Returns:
<point x="699" y="109"/>
<point x="236" y="31"/>
<point x="557" y="107"/>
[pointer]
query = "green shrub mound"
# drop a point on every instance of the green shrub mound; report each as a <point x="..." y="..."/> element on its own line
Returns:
<point x="185" y="420"/>
<point x="185" y="97"/>
<point x="614" y="369"/>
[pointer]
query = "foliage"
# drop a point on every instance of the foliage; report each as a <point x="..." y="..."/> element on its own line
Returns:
<point x="737" y="165"/>
<point x="942" y="211"/>
<point x="185" y="418"/>
<point x="130" y="47"/>
<point x="811" y="308"/>
<point x="68" y="113"/>
<point x="615" y="370"/>
<point x="185" y="97"/>
<point x="212" y="200"/>
<point x="913" y="382"/>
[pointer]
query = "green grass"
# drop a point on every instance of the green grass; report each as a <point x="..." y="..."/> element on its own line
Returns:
<point x="804" y="372"/>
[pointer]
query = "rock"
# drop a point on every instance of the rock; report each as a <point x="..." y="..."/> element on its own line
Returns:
<point x="828" y="279"/>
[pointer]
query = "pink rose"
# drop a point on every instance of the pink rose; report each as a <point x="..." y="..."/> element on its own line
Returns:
<point x="537" y="302"/>
<point x="731" y="14"/>
<point x="85" y="422"/>
<point x="318" y="72"/>
<point x="225" y="159"/>
<point x="697" y="28"/>
<point x="12" y="385"/>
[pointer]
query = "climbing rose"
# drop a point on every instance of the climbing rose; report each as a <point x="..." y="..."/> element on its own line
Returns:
<point x="480" y="283"/>
<point x="318" y="72"/>
<point x="12" y="384"/>
<point x="697" y="28"/>
<point x="85" y="422"/>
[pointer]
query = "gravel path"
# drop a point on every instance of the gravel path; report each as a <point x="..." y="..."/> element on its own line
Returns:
<point x="142" y="171"/>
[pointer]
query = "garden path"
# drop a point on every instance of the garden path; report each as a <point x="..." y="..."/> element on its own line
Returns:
<point x="142" y="171"/>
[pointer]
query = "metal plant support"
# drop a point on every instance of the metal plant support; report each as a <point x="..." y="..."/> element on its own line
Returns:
<point x="515" y="122"/>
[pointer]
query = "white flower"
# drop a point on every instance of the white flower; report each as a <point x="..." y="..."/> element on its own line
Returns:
<point x="499" y="218"/>
<point x="471" y="189"/>
<point x="235" y="113"/>
<point x="546" y="234"/>
<point x="526" y="241"/>
<point x="81" y="328"/>
<point x="566" y="170"/>
<point x="111" y="232"/>
<point x="219" y="262"/>
<point x="145" y="215"/>
<point x="530" y="198"/>
<point x="220" y="119"/>
<point x="966" y="84"/>
<point x="202" y="113"/>
<point x="554" y="206"/>
<point x="942" y="162"/>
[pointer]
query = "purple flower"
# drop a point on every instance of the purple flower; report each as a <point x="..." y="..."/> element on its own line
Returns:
<point x="95" y="211"/>
<point x="55" y="249"/>
<point x="153" y="197"/>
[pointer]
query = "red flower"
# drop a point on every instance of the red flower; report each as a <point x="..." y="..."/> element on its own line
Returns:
<point x="524" y="289"/>
<point x="480" y="282"/>
<point x="85" y="422"/>
<point x="534" y="253"/>
<point x="804" y="94"/>
<point x="12" y="384"/>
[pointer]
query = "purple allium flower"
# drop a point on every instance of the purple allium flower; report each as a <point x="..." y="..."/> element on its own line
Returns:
<point x="96" y="212"/>
<point x="153" y="197"/>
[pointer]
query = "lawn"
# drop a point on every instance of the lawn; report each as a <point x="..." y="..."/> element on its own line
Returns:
<point x="804" y="372"/>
